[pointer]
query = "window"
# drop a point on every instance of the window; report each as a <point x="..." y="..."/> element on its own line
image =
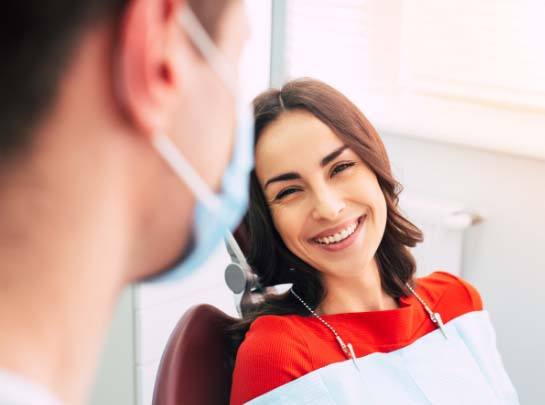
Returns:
<point x="458" y="71"/>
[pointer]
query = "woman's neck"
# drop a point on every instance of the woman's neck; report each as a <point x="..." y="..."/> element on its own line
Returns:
<point x="361" y="293"/>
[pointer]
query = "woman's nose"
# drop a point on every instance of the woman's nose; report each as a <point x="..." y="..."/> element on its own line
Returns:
<point x="327" y="206"/>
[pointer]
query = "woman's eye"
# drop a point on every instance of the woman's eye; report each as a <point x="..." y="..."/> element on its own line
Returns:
<point x="341" y="167"/>
<point x="285" y="193"/>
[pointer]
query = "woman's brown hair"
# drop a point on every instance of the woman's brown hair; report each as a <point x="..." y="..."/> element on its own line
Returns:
<point x="270" y="259"/>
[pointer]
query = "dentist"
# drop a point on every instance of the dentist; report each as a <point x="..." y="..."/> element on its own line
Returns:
<point x="124" y="156"/>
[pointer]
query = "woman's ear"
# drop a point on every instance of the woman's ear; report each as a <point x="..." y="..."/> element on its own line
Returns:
<point x="146" y="76"/>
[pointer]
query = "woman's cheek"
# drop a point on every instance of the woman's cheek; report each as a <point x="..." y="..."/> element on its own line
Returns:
<point x="288" y="227"/>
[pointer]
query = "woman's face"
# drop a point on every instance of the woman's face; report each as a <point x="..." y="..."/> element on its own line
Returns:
<point x="325" y="202"/>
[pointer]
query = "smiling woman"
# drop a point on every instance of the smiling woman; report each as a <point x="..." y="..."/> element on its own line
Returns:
<point x="324" y="217"/>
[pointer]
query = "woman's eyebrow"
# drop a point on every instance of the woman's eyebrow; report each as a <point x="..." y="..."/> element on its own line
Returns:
<point x="283" y="177"/>
<point x="294" y="176"/>
<point x="332" y="156"/>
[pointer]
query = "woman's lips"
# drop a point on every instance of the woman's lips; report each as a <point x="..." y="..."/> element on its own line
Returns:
<point x="335" y="229"/>
<point x="335" y="247"/>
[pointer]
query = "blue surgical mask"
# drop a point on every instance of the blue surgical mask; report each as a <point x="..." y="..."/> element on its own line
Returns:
<point x="215" y="214"/>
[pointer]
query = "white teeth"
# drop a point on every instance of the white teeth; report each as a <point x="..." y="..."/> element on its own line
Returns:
<point x="339" y="236"/>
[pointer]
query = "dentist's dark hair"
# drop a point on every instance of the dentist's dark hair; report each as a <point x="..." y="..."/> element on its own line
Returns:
<point x="267" y="254"/>
<point x="38" y="40"/>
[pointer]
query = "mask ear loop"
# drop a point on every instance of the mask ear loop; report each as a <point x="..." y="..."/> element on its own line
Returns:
<point x="202" y="41"/>
<point x="208" y="48"/>
<point x="185" y="171"/>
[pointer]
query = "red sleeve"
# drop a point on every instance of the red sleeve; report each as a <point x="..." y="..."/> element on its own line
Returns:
<point x="272" y="354"/>
<point x="474" y="295"/>
<point x="465" y="294"/>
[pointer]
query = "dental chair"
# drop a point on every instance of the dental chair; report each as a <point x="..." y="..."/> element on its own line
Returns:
<point x="195" y="367"/>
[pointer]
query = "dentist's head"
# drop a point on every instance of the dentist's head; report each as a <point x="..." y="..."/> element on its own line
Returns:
<point x="124" y="151"/>
<point x="137" y="99"/>
<point x="200" y="128"/>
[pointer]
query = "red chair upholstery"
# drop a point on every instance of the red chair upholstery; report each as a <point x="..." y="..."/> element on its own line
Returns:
<point x="194" y="369"/>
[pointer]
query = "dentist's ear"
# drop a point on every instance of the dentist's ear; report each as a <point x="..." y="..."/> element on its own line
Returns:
<point x="146" y="73"/>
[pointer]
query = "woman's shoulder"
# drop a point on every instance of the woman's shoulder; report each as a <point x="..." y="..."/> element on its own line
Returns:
<point x="444" y="288"/>
<point x="272" y="354"/>
<point x="272" y="324"/>
<point x="271" y="338"/>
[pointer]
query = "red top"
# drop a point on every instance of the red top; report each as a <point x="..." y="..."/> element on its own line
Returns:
<point x="279" y="349"/>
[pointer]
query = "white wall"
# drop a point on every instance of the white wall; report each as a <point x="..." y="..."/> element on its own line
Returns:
<point x="503" y="256"/>
<point x="115" y="382"/>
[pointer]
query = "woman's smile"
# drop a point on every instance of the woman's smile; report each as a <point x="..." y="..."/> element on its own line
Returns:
<point x="340" y="237"/>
